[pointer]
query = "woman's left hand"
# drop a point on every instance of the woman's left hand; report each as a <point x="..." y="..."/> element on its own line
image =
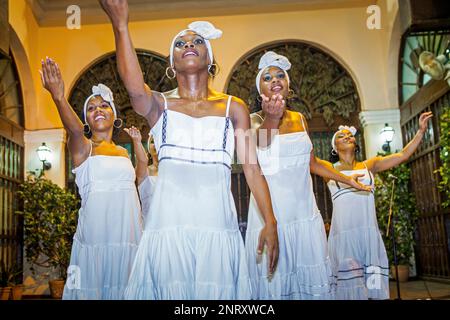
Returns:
<point x="358" y="185"/>
<point x="423" y="121"/>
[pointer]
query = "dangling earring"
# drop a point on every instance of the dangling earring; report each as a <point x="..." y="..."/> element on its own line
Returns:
<point x="333" y="152"/>
<point x="216" y="69"/>
<point x="173" y="71"/>
<point x="259" y="99"/>
<point x="357" y="149"/>
<point x="118" y="123"/>
<point x="291" y="94"/>
<point x="86" y="129"/>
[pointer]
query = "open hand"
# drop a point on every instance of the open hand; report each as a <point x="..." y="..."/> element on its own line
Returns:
<point x="358" y="185"/>
<point x="274" y="106"/>
<point x="117" y="11"/>
<point x="423" y="121"/>
<point x="134" y="133"/>
<point x="269" y="237"/>
<point x="51" y="78"/>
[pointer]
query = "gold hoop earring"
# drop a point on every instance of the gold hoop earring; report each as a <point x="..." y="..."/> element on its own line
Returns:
<point x="86" y="129"/>
<point x="291" y="94"/>
<point x="118" y="126"/>
<point x="216" y="70"/>
<point x="173" y="71"/>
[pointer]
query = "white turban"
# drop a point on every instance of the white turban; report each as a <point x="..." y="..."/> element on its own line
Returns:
<point x="341" y="128"/>
<point x="272" y="59"/>
<point x="204" y="29"/>
<point x="105" y="93"/>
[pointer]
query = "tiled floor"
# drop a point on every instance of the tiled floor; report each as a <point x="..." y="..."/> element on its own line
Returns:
<point x="421" y="290"/>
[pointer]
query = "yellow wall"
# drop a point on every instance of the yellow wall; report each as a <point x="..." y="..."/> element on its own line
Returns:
<point x="341" y="32"/>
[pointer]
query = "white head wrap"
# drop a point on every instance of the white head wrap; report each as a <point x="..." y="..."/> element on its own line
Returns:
<point x="105" y="93"/>
<point x="204" y="29"/>
<point x="341" y="128"/>
<point x="272" y="59"/>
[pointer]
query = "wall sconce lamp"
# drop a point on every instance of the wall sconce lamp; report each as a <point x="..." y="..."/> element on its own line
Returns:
<point x="44" y="154"/>
<point x="387" y="135"/>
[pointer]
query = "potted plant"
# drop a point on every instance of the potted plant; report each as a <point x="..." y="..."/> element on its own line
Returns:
<point x="8" y="278"/>
<point x="50" y="220"/>
<point x="404" y="214"/>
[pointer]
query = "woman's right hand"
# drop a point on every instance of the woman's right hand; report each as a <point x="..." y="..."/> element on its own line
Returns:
<point x="117" y="11"/>
<point x="273" y="107"/>
<point x="51" y="78"/>
<point x="134" y="133"/>
<point x="268" y="237"/>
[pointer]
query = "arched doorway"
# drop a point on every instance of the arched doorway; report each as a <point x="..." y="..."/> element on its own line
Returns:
<point x="324" y="92"/>
<point x="11" y="162"/>
<point x="104" y="70"/>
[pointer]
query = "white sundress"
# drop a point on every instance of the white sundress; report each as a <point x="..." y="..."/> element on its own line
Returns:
<point x="109" y="229"/>
<point x="358" y="256"/>
<point x="146" y="190"/>
<point x="303" y="270"/>
<point x="191" y="247"/>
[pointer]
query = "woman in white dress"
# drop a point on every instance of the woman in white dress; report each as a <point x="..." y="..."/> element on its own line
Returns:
<point x="109" y="221"/>
<point x="287" y="160"/>
<point x="192" y="247"/>
<point x="145" y="175"/>
<point x="359" y="261"/>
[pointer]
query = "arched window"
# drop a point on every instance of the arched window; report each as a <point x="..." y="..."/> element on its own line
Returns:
<point x="324" y="92"/>
<point x="104" y="70"/>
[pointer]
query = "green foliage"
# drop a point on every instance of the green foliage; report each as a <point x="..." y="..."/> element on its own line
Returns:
<point x="444" y="170"/>
<point x="50" y="221"/>
<point x="404" y="212"/>
<point x="8" y="275"/>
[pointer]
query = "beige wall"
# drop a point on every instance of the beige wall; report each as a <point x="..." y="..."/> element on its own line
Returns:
<point x="341" y="32"/>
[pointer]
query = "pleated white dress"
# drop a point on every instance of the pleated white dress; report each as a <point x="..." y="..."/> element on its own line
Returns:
<point x="146" y="191"/>
<point x="191" y="247"/>
<point x="109" y="229"/>
<point x="303" y="270"/>
<point x="358" y="256"/>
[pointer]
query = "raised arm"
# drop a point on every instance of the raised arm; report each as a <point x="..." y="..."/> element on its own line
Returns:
<point x="328" y="172"/>
<point x="273" y="108"/>
<point x="141" y="155"/>
<point x="143" y="100"/>
<point x="378" y="164"/>
<point x="246" y="152"/>
<point x="52" y="81"/>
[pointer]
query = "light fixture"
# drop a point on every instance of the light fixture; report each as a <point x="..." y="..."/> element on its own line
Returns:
<point x="44" y="154"/>
<point x="387" y="135"/>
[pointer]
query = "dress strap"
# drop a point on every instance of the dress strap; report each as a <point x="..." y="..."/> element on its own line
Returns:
<point x="259" y="116"/>
<point x="90" y="151"/>
<point x="164" y="126"/>
<point x="228" y="106"/>
<point x="368" y="172"/>
<point x="165" y="100"/>
<point x="227" y="124"/>
<point x="303" y="123"/>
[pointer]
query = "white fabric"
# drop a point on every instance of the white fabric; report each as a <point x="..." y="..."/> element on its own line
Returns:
<point x="272" y="59"/>
<point x="303" y="270"/>
<point x="146" y="191"/>
<point x="204" y="29"/>
<point x="109" y="228"/>
<point x="192" y="247"/>
<point x="105" y="93"/>
<point x="357" y="251"/>
<point x="352" y="130"/>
